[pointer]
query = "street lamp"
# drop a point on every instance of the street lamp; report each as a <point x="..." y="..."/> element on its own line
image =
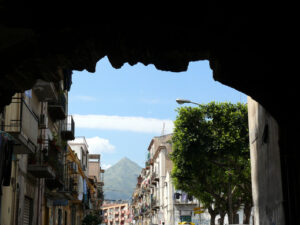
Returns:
<point x="182" y="101"/>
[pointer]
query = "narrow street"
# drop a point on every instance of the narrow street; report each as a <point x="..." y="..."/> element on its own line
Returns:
<point x="197" y="103"/>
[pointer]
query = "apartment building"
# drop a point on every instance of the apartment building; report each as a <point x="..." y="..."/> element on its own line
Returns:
<point x="117" y="214"/>
<point x="80" y="146"/>
<point x="84" y="191"/>
<point x="95" y="169"/>
<point x="41" y="176"/>
<point x="38" y="123"/>
<point x="95" y="174"/>
<point x="155" y="200"/>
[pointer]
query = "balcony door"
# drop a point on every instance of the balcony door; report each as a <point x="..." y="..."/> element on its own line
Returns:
<point x="28" y="211"/>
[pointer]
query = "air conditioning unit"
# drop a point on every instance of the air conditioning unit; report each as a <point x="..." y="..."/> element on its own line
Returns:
<point x="43" y="121"/>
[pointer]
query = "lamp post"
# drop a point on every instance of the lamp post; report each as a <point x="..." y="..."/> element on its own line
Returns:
<point x="182" y="101"/>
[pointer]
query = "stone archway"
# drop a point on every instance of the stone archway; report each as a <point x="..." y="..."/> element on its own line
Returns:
<point x="248" y="49"/>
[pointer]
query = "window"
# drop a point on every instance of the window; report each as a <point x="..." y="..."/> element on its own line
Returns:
<point x="59" y="217"/>
<point x="82" y="155"/>
<point x="86" y="159"/>
<point x="28" y="211"/>
<point x="66" y="218"/>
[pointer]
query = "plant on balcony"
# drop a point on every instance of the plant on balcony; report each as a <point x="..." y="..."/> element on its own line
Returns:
<point x="55" y="138"/>
<point x="58" y="142"/>
<point x="64" y="144"/>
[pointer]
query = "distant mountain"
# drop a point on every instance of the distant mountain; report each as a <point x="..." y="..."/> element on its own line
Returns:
<point x="120" y="180"/>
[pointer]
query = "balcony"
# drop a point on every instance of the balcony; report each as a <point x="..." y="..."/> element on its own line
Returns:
<point x="72" y="168"/>
<point x="54" y="159"/>
<point x="151" y="161"/>
<point x="68" y="129"/>
<point x="22" y="123"/>
<point x="41" y="170"/>
<point x="45" y="91"/>
<point x="147" y="165"/>
<point x="183" y="199"/>
<point x="57" y="109"/>
<point x="37" y="164"/>
<point x="154" y="204"/>
<point x="70" y="188"/>
<point x="154" y="178"/>
<point x="70" y="185"/>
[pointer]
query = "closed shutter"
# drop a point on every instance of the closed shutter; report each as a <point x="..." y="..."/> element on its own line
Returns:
<point x="28" y="207"/>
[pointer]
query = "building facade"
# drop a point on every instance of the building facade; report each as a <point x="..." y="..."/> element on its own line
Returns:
<point x="117" y="214"/>
<point x="95" y="174"/>
<point x="44" y="181"/>
<point x="155" y="200"/>
<point x="81" y="149"/>
<point x="38" y="122"/>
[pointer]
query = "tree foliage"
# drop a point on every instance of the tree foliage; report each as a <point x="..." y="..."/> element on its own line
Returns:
<point x="211" y="156"/>
<point x="91" y="219"/>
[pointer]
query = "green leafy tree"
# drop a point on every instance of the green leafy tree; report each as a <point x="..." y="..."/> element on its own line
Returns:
<point x="91" y="219"/>
<point x="211" y="157"/>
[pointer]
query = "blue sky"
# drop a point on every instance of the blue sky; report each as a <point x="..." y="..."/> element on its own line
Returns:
<point x="119" y="111"/>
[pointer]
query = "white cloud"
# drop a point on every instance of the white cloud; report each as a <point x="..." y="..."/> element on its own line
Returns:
<point x="105" y="166"/>
<point x="85" y="98"/>
<point x="124" y="123"/>
<point x="99" y="145"/>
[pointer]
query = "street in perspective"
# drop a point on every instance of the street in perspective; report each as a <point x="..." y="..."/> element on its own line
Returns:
<point x="140" y="119"/>
<point x="189" y="166"/>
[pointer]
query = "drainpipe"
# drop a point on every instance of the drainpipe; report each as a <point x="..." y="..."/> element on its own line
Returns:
<point x="38" y="202"/>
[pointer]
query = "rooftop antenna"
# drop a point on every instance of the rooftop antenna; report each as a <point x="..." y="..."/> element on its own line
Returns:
<point x="163" y="129"/>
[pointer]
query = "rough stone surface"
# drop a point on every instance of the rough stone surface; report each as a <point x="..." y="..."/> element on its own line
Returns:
<point x="265" y="166"/>
<point x="244" y="44"/>
<point x="249" y="47"/>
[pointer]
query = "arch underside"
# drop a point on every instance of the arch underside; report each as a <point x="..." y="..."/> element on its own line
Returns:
<point x="249" y="49"/>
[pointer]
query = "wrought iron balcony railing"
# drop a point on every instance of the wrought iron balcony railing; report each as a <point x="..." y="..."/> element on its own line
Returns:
<point x="54" y="159"/>
<point x="57" y="109"/>
<point x="68" y="128"/>
<point x="45" y="91"/>
<point x="22" y="123"/>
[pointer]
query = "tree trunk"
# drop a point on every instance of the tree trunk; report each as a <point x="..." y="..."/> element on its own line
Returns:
<point x="222" y="216"/>
<point x="247" y="214"/>
<point x="213" y="215"/>
<point x="230" y="210"/>
<point x="212" y="219"/>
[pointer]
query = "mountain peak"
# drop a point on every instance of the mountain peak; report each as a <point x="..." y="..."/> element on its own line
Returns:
<point x="125" y="158"/>
<point x="120" y="179"/>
